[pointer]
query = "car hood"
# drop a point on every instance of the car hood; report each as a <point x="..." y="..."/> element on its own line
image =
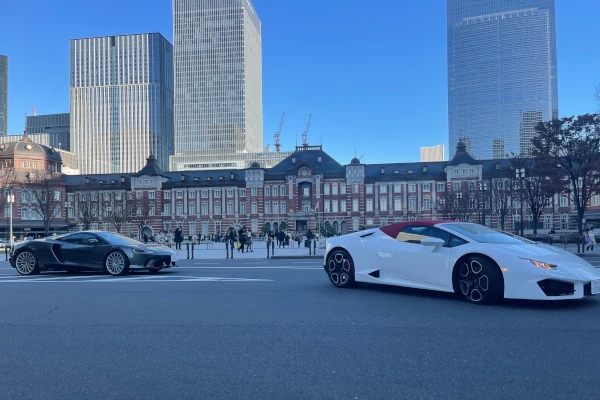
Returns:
<point x="546" y="253"/>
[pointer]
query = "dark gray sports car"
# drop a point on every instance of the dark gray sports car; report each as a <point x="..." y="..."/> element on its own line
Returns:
<point x="113" y="253"/>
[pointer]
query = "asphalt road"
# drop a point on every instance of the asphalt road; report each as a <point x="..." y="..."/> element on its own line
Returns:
<point x="277" y="329"/>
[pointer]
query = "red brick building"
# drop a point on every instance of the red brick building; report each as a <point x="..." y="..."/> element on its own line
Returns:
<point x="308" y="189"/>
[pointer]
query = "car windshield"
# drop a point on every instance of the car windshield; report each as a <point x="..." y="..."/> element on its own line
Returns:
<point x="114" y="238"/>
<point x="483" y="234"/>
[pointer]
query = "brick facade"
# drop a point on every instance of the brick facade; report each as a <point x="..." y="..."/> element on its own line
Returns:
<point x="307" y="190"/>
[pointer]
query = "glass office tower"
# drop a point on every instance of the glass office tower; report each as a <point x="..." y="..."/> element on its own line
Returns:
<point x="121" y="102"/>
<point x="218" y="80"/>
<point x="502" y="75"/>
<point x="3" y="95"/>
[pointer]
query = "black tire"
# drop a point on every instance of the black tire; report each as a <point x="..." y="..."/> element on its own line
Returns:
<point x="26" y="263"/>
<point x="479" y="280"/>
<point x="340" y="269"/>
<point x="116" y="263"/>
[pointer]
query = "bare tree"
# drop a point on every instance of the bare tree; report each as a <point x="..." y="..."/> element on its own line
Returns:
<point x="501" y="196"/>
<point x="141" y="211"/>
<point x="7" y="179"/>
<point x="87" y="208"/>
<point x="538" y="188"/>
<point x="568" y="150"/>
<point x="45" y="188"/>
<point x="458" y="204"/>
<point x="119" y="209"/>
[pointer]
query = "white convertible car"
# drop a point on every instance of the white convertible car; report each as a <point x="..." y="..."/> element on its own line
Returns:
<point x="482" y="264"/>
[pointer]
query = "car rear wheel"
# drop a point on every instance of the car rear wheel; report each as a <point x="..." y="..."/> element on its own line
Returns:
<point x="340" y="269"/>
<point x="26" y="263"/>
<point x="116" y="263"/>
<point x="480" y="280"/>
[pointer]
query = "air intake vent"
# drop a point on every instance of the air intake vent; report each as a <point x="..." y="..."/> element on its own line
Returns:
<point x="367" y="234"/>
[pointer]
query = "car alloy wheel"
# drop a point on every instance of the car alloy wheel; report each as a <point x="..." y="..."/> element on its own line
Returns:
<point x="26" y="263"/>
<point x="340" y="269"/>
<point x="116" y="263"/>
<point x="480" y="281"/>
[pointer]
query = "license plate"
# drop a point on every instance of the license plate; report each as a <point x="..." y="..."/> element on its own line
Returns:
<point x="596" y="287"/>
<point x="174" y="258"/>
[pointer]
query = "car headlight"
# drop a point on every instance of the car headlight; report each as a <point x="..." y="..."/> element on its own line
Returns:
<point x="143" y="251"/>
<point x="540" y="264"/>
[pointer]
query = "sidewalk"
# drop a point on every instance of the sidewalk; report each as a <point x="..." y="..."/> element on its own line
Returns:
<point x="572" y="247"/>
<point x="217" y="251"/>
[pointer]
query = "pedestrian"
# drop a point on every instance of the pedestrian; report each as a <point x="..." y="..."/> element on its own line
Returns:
<point x="592" y="239"/>
<point x="178" y="238"/>
<point x="249" y="242"/>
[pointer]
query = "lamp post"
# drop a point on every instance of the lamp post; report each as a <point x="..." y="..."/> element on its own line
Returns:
<point x="483" y="188"/>
<point x="520" y="175"/>
<point x="10" y="198"/>
<point x="459" y="197"/>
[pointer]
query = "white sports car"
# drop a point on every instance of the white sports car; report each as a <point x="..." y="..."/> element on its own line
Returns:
<point x="482" y="264"/>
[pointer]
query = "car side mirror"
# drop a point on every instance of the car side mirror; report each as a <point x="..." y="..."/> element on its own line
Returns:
<point x="93" y="241"/>
<point x="432" y="242"/>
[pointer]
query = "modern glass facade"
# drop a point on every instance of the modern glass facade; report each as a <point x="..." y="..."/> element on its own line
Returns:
<point x="53" y="129"/>
<point x="502" y="74"/>
<point x="218" y="79"/>
<point x="3" y="95"/>
<point x="121" y="102"/>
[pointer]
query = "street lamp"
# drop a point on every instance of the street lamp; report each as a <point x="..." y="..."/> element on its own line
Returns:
<point x="483" y="188"/>
<point x="10" y="198"/>
<point x="520" y="175"/>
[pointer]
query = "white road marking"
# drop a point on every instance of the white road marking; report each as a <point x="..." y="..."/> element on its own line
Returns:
<point x="164" y="278"/>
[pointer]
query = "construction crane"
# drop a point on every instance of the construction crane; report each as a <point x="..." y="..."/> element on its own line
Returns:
<point x="278" y="134"/>
<point x="305" y="134"/>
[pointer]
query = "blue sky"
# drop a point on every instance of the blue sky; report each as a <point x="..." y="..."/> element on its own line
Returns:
<point x="373" y="74"/>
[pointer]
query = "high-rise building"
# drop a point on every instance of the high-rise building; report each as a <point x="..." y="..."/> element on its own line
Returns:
<point x="432" y="154"/>
<point x="218" y="80"/>
<point x="3" y="95"/>
<point x="502" y="72"/>
<point x="121" y="102"/>
<point x="53" y="130"/>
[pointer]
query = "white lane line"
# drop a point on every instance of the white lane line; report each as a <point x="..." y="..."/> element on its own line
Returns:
<point x="165" y="279"/>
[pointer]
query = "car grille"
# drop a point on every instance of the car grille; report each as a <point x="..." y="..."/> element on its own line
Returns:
<point x="554" y="288"/>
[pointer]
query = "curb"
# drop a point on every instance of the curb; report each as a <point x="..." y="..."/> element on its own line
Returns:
<point x="296" y="257"/>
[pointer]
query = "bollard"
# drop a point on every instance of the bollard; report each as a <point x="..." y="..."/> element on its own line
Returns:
<point x="268" y="242"/>
<point x="6" y="253"/>
<point x="314" y="247"/>
<point x="227" y="249"/>
<point x="192" y="250"/>
<point x="231" y="249"/>
<point x="187" y="246"/>
<point x="272" y="248"/>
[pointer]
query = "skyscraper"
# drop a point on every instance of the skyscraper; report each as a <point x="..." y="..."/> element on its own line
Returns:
<point x="121" y="102"/>
<point x="432" y="154"/>
<point x="502" y="73"/>
<point x="52" y="129"/>
<point x="3" y="95"/>
<point x="218" y="80"/>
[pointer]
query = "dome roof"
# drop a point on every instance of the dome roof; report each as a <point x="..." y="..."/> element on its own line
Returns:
<point x="26" y="148"/>
<point x="355" y="161"/>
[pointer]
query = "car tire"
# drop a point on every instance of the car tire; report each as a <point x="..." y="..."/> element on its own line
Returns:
<point x="116" y="263"/>
<point x="340" y="269"/>
<point x="479" y="280"/>
<point x="26" y="263"/>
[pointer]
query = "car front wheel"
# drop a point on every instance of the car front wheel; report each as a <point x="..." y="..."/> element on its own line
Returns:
<point x="116" y="263"/>
<point x="480" y="280"/>
<point x="340" y="269"/>
<point x="26" y="263"/>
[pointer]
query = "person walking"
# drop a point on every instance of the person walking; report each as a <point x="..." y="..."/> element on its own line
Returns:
<point x="178" y="238"/>
<point x="249" y="242"/>
<point x="592" y="239"/>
